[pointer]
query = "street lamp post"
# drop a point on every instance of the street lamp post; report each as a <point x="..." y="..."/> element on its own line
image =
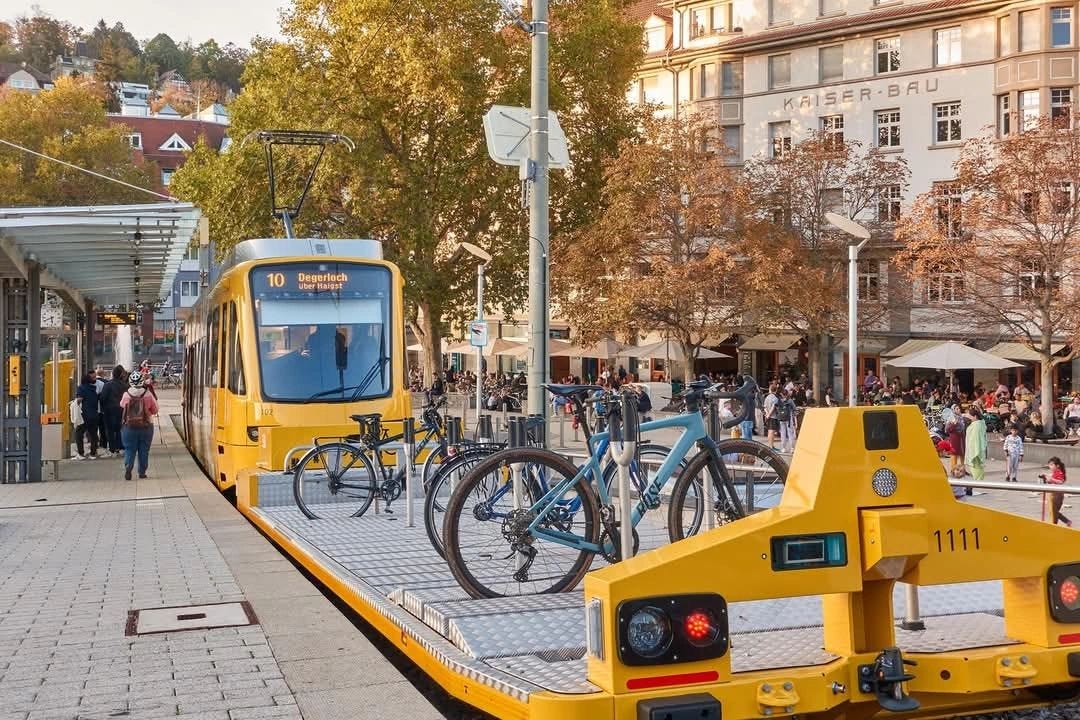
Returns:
<point x="861" y="236"/>
<point x="484" y="258"/>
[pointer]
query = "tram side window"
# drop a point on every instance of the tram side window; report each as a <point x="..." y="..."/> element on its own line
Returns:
<point x="236" y="364"/>
<point x="212" y="349"/>
<point x="224" y="330"/>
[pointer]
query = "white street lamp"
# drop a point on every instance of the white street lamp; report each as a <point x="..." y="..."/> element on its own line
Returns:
<point x="484" y="257"/>
<point x="861" y="236"/>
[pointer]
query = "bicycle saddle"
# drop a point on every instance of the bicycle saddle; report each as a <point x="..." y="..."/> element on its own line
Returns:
<point x="572" y="390"/>
<point x="366" y="419"/>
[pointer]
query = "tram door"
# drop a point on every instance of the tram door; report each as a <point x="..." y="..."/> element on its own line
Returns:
<point x="217" y="375"/>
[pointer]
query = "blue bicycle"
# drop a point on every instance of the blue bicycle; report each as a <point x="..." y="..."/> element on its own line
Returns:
<point x="527" y="521"/>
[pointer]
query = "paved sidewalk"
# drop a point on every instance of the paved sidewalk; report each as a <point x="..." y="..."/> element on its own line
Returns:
<point x="79" y="554"/>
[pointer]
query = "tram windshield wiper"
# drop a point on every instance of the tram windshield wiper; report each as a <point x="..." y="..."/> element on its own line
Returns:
<point x="377" y="370"/>
<point x="333" y="391"/>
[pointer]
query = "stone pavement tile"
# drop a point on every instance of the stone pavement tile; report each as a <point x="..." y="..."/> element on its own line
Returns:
<point x="391" y="701"/>
<point x="328" y="673"/>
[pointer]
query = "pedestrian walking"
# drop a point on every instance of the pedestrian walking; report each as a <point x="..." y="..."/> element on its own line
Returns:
<point x="975" y="450"/>
<point x="1014" y="453"/>
<point x="785" y="417"/>
<point x="1072" y="415"/>
<point x="137" y="431"/>
<point x="772" y="424"/>
<point x="111" y="413"/>
<point x="1057" y="499"/>
<point x="955" y="430"/>
<point x="87" y="398"/>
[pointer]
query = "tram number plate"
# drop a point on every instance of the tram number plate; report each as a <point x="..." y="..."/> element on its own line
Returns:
<point x="957" y="540"/>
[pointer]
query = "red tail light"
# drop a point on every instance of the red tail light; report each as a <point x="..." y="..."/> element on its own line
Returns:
<point x="1064" y="585"/>
<point x="672" y="629"/>
<point x="701" y="628"/>
<point x="1069" y="593"/>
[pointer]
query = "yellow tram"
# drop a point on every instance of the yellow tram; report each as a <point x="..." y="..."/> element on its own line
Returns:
<point x="295" y="336"/>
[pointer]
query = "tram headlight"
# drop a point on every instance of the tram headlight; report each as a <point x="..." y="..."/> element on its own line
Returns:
<point x="253" y="434"/>
<point x="672" y="629"/>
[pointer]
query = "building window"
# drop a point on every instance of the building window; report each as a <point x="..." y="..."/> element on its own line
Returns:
<point x="699" y="22"/>
<point x="1061" y="107"/>
<point x="948" y="204"/>
<point x="869" y="281"/>
<point x="889" y="203"/>
<point x="831" y="63"/>
<point x="1029" y="109"/>
<point x="707" y="80"/>
<point x="192" y="252"/>
<point x="947" y="46"/>
<point x="888" y="128"/>
<point x="832" y="128"/>
<point x="947" y="122"/>
<point x="831" y="7"/>
<point x="135" y="140"/>
<point x="945" y="286"/>
<point x="779" y="71"/>
<point x="189" y="288"/>
<point x="832" y="200"/>
<point x="1031" y="280"/>
<point x="779" y="138"/>
<point x="721" y="18"/>
<point x="888" y="55"/>
<point x="656" y="39"/>
<point x="1060" y="27"/>
<point x="166" y="176"/>
<point x="175" y="144"/>
<point x="712" y="20"/>
<point x="733" y="142"/>
<point x="1005" y="45"/>
<point x="1004" y="116"/>
<point x="1030" y="30"/>
<point x="650" y="90"/>
<point x="1063" y="198"/>
<point x="731" y="78"/>
<point x="779" y="11"/>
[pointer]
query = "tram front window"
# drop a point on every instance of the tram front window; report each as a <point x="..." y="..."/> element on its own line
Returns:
<point x="324" y="331"/>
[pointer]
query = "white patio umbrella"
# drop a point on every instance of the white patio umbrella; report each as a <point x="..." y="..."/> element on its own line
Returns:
<point x="606" y="348"/>
<point x="668" y="349"/>
<point x="952" y="356"/>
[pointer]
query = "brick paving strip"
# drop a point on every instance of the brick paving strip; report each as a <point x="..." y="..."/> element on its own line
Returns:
<point x="77" y="555"/>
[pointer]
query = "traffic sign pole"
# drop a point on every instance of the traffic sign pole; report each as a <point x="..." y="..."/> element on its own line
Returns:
<point x="480" y="348"/>
<point x="538" y="212"/>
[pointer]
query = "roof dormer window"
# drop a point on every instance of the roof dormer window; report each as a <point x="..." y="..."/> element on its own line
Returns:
<point x="710" y="20"/>
<point x="656" y="39"/>
<point x="175" y="144"/>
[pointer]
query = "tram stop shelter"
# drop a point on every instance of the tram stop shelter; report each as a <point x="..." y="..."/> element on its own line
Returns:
<point x="91" y="257"/>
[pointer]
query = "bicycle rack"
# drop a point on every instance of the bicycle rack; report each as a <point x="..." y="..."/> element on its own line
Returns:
<point x="408" y="444"/>
<point x="623" y="457"/>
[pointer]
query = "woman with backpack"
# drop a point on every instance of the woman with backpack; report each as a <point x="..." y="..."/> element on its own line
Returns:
<point x="138" y="408"/>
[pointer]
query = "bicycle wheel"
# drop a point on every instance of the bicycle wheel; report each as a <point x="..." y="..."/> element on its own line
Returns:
<point x="757" y="473"/>
<point x="435" y="457"/>
<point x="442" y="484"/>
<point x="488" y="548"/>
<point x="335" y="480"/>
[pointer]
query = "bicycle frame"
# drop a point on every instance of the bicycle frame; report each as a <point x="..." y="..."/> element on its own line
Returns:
<point x="694" y="433"/>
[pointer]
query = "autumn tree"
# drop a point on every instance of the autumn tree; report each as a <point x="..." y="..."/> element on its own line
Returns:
<point x="798" y="263"/>
<point x="998" y="247"/>
<point x="40" y="38"/>
<point x="8" y="50"/>
<point x="662" y="253"/>
<point x="67" y="123"/>
<point x="410" y="83"/>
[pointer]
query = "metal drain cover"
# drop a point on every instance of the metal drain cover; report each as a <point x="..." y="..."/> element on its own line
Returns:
<point x="190" y="617"/>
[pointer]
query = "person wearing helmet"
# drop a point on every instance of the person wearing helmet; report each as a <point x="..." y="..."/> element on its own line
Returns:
<point x="138" y="408"/>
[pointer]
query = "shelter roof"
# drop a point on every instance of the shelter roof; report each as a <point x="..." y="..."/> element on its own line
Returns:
<point x="90" y="253"/>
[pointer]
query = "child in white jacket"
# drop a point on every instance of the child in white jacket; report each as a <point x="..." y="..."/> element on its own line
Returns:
<point x="1014" y="453"/>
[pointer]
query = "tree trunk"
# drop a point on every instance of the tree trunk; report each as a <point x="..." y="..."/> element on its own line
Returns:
<point x="817" y="344"/>
<point x="688" y="369"/>
<point x="1046" y="397"/>
<point x="429" y="331"/>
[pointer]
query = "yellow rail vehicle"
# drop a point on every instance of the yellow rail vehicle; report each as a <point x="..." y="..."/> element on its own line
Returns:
<point x="295" y="336"/>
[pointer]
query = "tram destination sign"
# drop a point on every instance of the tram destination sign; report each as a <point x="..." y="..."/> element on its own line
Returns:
<point x="305" y="278"/>
<point x="118" y="317"/>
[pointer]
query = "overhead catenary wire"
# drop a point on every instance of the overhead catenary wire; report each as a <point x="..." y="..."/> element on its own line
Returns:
<point x="43" y="156"/>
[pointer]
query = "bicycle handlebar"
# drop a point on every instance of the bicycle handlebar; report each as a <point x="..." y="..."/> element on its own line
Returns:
<point x="746" y="394"/>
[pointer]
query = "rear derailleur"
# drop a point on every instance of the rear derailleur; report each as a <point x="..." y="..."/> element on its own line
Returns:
<point x="515" y="531"/>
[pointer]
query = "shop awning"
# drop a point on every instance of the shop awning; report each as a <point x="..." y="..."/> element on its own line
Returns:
<point x="913" y="346"/>
<point x="1021" y="352"/>
<point x="767" y="342"/>
<point x="866" y="345"/>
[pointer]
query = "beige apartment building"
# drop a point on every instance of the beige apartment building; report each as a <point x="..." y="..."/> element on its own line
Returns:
<point x="904" y="77"/>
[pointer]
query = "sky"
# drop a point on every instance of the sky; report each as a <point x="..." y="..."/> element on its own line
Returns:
<point x="235" y="21"/>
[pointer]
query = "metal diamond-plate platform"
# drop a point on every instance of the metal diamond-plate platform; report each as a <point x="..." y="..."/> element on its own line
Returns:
<point x="526" y="644"/>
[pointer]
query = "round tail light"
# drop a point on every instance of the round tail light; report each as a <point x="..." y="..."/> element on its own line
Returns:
<point x="701" y="628"/>
<point x="649" y="632"/>
<point x="1069" y="593"/>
